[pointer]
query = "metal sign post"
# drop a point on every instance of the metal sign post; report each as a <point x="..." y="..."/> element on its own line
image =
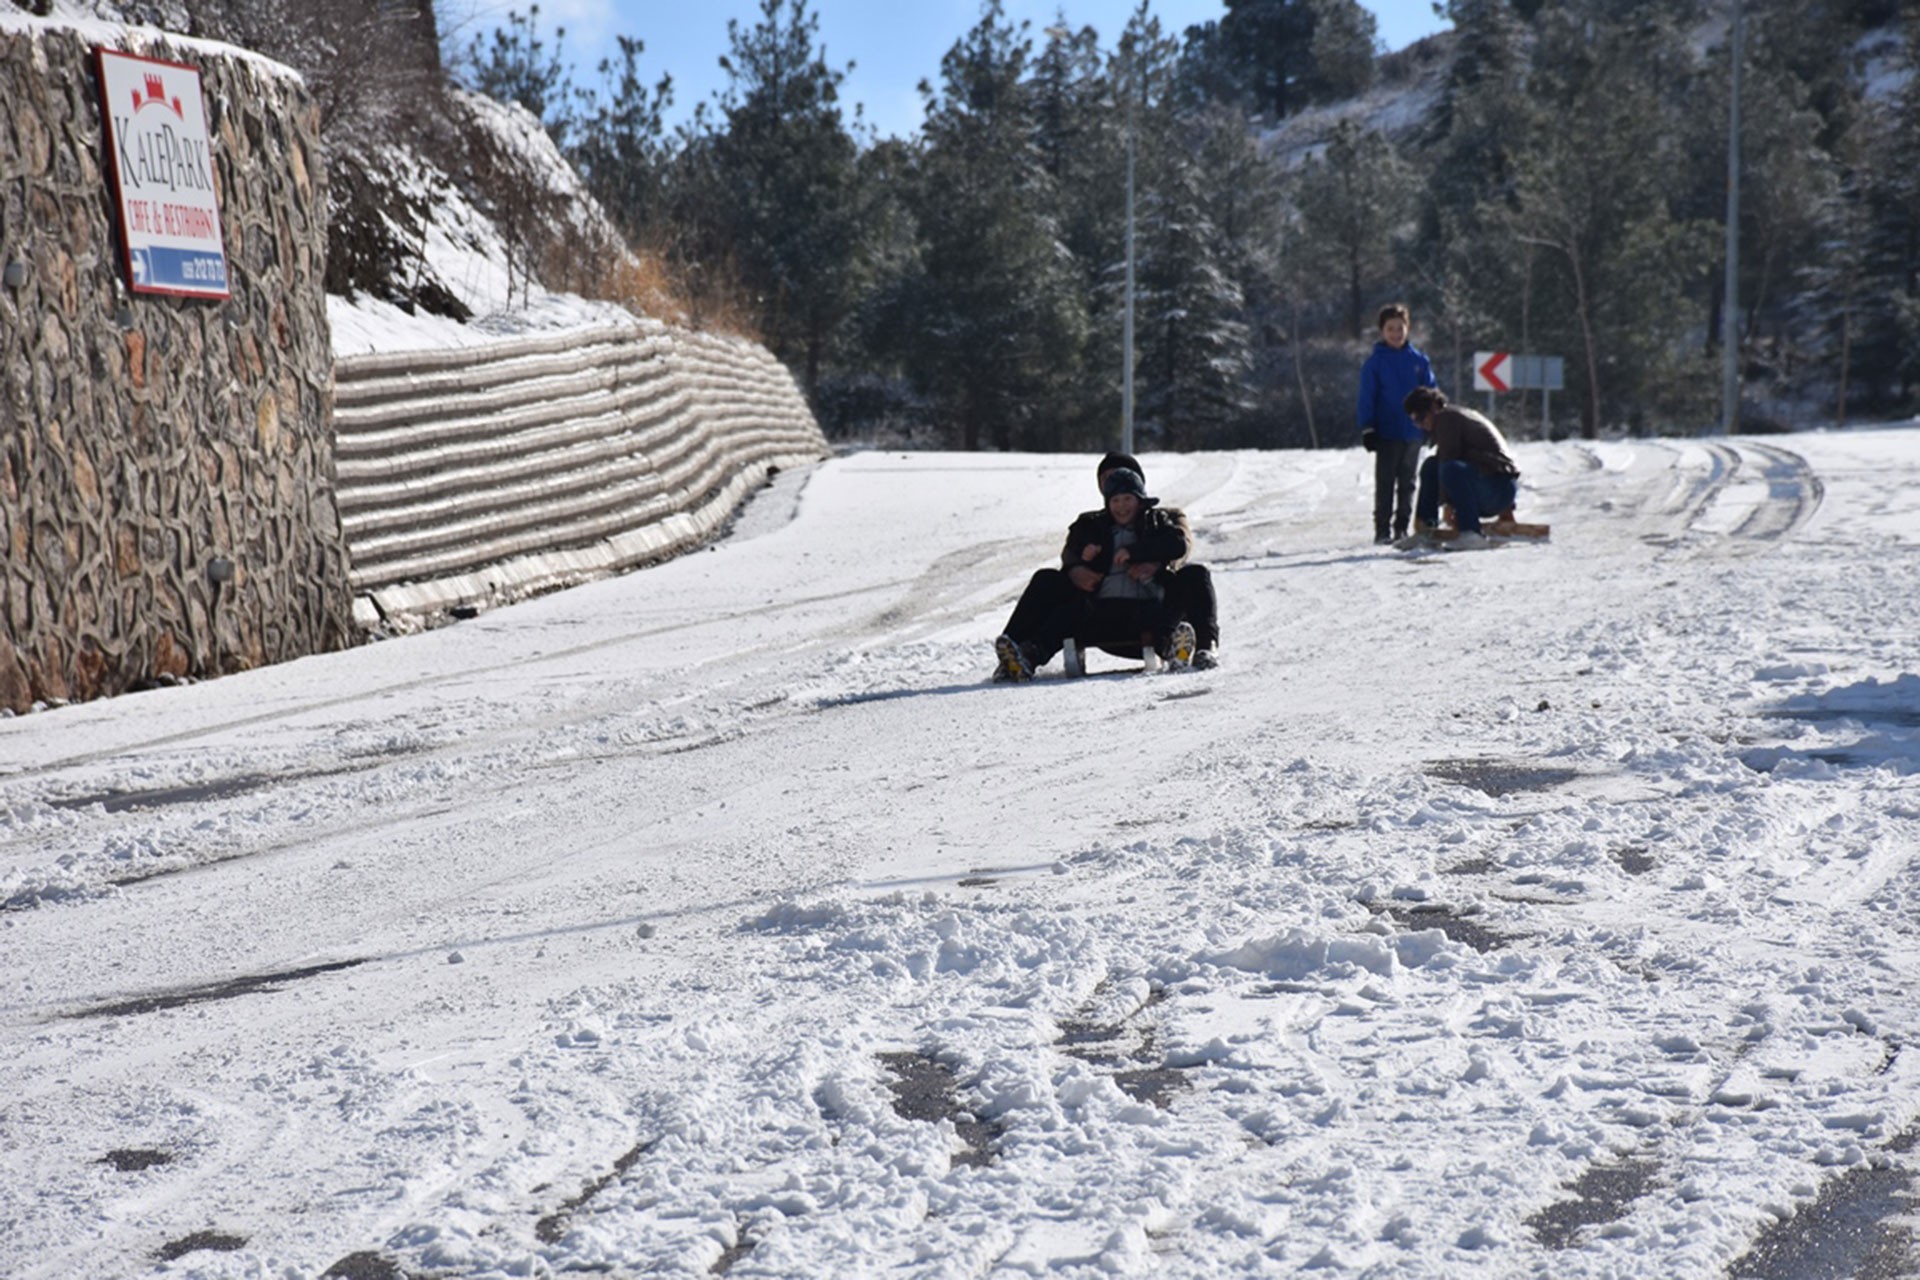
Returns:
<point x="1545" y="374"/>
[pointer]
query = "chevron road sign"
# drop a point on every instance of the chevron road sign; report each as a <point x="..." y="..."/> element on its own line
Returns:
<point x="1499" y="371"/>
<point x="1490" y="371"/>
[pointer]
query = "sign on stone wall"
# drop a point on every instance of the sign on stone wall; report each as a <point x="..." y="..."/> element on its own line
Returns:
<point x="161" y="155"/>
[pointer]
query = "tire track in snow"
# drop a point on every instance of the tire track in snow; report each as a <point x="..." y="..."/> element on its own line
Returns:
<point x="462" y="675"/>
<point x="1753" y="496"/>
<point x="1794" y="493"/>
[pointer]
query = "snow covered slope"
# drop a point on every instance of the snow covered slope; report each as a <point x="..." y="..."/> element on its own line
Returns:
<point x="1548" y="910"/>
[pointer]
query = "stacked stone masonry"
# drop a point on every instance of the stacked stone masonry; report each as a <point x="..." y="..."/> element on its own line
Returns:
<point x="144" y="438"/>
<point x="478" y="475"/>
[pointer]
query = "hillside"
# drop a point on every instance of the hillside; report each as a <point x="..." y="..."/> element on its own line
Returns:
<point x="453" y="218"/>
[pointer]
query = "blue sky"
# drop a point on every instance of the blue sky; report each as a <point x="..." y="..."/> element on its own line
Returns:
<point x="894" y="44"/>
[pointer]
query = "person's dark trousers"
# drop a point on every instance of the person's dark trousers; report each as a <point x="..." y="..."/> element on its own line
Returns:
<point x="1118" y="626"/>
<point x="1395" y="465"/>
<point x="1050" y="611"/>
<point x="1190" y="596"/>
<point x="1474" y="496"/>
<point x="1033" y="612"/>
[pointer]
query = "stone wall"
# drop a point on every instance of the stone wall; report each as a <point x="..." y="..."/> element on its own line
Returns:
<point x="143" y="439"/>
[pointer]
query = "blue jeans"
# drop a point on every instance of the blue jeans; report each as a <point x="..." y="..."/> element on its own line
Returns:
<point x="1474" y="495"/>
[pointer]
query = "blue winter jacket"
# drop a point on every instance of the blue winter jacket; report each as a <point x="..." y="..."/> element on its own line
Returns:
<point x="1384" y="382"/>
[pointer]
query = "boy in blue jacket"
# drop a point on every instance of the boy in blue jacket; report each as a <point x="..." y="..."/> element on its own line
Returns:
<point x="1395" y="368"/>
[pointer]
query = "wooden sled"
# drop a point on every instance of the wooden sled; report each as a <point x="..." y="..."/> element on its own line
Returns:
<point x="1501" y="526"/>
<point x="1500" y="529"/>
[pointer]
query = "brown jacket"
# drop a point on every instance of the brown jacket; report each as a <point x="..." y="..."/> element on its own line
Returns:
<point x="1463" y="434"/>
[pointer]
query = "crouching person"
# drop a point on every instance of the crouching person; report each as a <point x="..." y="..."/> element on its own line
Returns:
<point x="1471" y="468"/>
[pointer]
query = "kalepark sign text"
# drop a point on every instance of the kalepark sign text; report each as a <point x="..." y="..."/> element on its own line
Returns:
<point x="161" y="155"/>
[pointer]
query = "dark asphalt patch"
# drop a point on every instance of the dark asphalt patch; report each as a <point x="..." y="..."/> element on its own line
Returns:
<point x="1849" y="1229"/>
<point x="732" y="1254"/>
<point x="553" y="1228"/>
<point x="1604" y="1193"/>
<point x="364" y="1266"/>
<point x="1141" y="1073"/>
<point x="231" y="989"/>
<point x="115" y="801"/>
<point x="210" y="1241"/>
<point x="1885" y="727"/>
<point x="134" y="1159"/>
<point x="1458" y="928"/>
<point x="1501" y="777"/>
<point x="161" y="797"/>
<point x="1634" y="861"/>
<point x="1157" y="1085"/>
<point x="925" y="1090"/>
<point x="1895" y="717"/>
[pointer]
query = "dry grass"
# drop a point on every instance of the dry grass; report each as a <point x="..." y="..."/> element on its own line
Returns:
<point x="610" y="272"/>
<point x="645" y="282"/>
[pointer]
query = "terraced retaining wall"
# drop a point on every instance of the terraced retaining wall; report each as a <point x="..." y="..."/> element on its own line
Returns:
<point x="145" y="439"/>
<point x="477" y="475"/>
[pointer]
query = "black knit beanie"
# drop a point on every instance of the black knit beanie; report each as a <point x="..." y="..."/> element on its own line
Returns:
<point x="1118" y="459"/>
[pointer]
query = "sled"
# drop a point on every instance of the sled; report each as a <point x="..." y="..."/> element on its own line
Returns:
<point x="1073" y="656"/>
<point x="1501" y="526"/>
<point x="1498" y="529"/>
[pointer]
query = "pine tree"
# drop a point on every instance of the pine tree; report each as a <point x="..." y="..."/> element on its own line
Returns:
<point x="1889" y="336"/>
<point x="1344" y="36"/>
<point x="782" y="177"/>
<point x="518" y="66"/>
<point x="1788" y="180"/>
<point x="1834" y="308"/>
<point x="1468" y="272"/>
<point x="620" y="143"/>
<point x="1191" y="333"/>
<point x="1080" y="127"/>
<point x="1355" y="197"/>
<point x="1196" y="359"/>
<point x="1274" y="57"/>
<point x="999" y="316"/>
<point x="1243" y="195"/>
<point x="1592" y="190"/>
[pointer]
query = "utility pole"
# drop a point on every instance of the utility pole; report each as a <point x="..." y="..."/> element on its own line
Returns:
<point x="1126" y="340"/>
<point x="1730" y="307"/>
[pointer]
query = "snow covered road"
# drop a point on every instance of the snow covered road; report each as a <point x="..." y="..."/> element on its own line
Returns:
<point x="1551" y="910"/>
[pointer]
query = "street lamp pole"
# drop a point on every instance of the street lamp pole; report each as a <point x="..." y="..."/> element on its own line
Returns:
<point x="1126" y="340"/>
<point x="1730" y="306"/>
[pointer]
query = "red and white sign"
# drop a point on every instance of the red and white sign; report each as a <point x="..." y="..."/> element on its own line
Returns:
<point x="1490" y="371"/>
<point x="161" y="154"/>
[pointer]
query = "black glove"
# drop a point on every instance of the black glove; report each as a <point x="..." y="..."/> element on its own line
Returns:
<point x="1370" y="440"/>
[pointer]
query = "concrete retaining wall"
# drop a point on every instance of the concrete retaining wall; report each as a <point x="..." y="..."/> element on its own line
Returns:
<point x="478" y="475"/>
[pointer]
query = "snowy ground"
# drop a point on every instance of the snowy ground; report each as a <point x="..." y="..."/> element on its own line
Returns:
<point x="1545" y="911"/>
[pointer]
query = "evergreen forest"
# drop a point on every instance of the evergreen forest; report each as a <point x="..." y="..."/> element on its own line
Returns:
<point x="1550" y="176"/>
